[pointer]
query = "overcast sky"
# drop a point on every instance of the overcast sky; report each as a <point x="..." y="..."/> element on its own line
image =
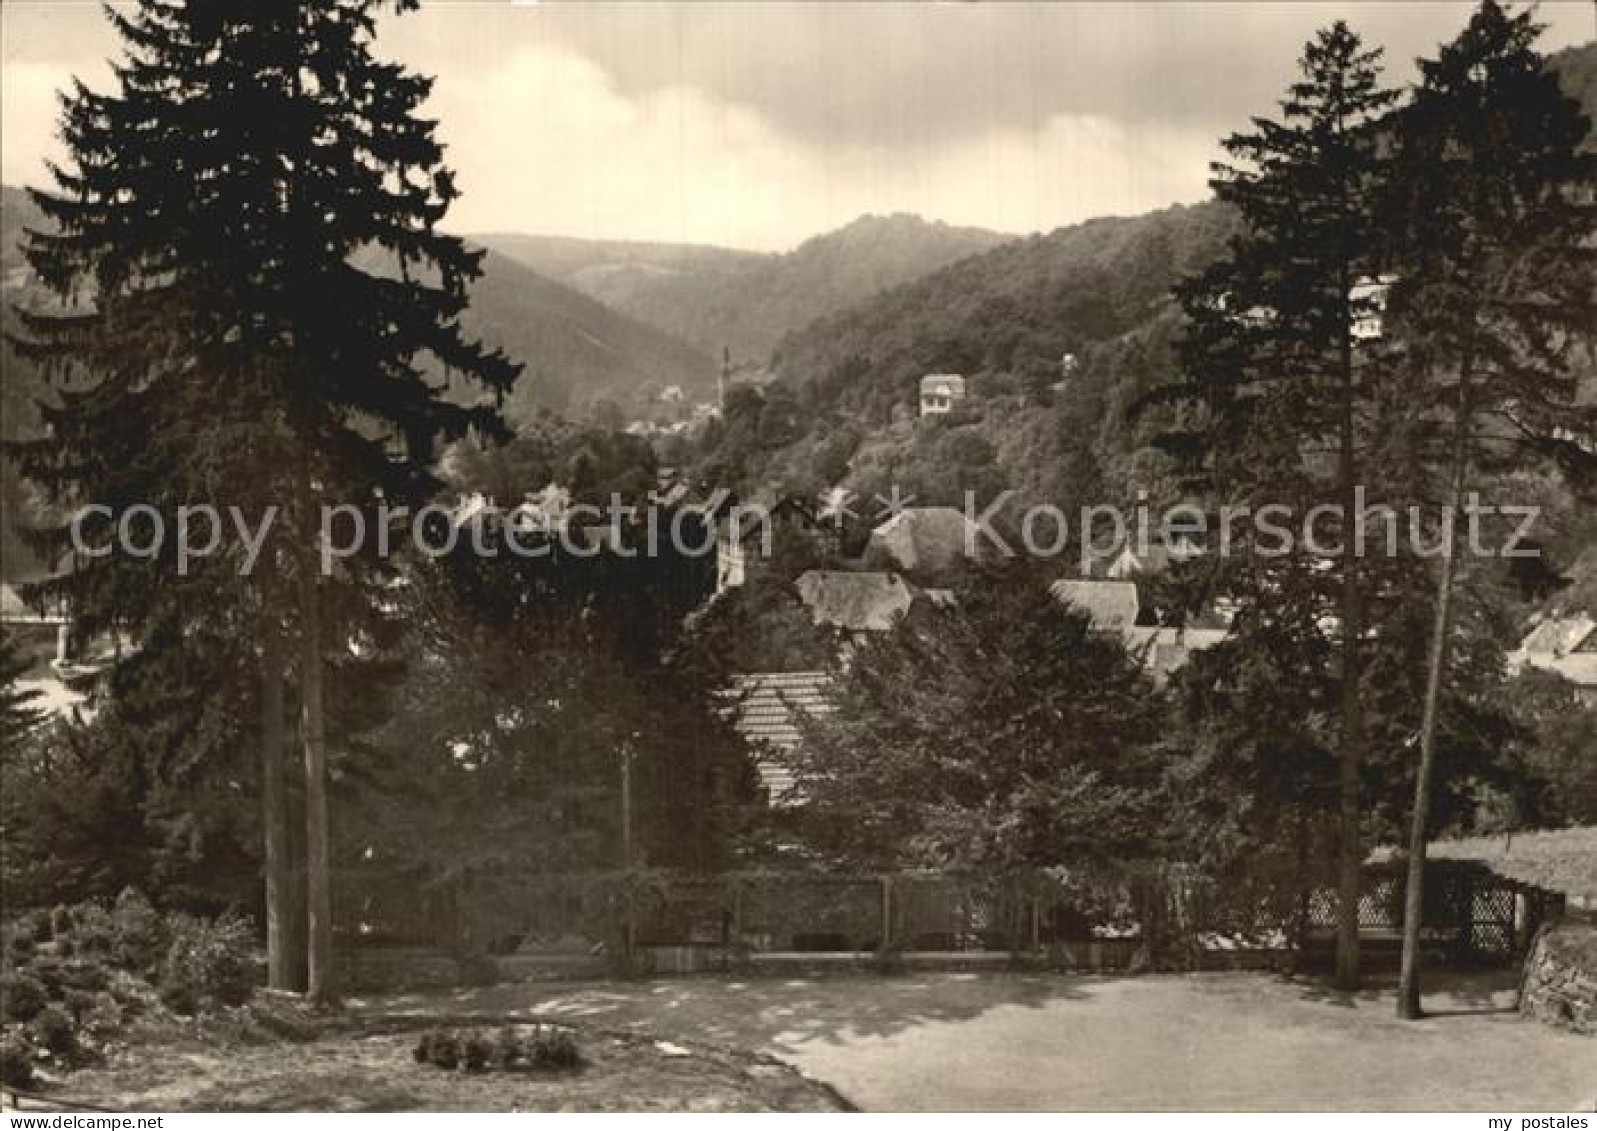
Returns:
<point x="757" y="125"/>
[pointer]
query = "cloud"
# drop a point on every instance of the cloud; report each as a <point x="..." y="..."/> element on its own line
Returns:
<point x="27" y="120"/>
<point x="761" y="124"/>
<point x="546" y="141"/>
<point x="30" y="110"/>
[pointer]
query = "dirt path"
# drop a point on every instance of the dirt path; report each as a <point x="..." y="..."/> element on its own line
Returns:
<point x="1015" y="1042"/>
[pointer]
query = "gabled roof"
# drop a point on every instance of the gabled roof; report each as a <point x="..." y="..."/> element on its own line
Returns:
<point x="14" y="610"/>
<point x="1166" y="650"/>
<point x="924" y="538"/>
<point x="12" y="605"/>
<point x="1118" y="561"/>
<point x="1565" y="645"/>
<point x="855" y="601"/>
<point x="1559" y="636"/>
<point x="767" y="709"/>
<point x="1109" y="605"/>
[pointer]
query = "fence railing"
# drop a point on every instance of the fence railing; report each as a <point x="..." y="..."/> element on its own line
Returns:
<point x="1469" y="911"/>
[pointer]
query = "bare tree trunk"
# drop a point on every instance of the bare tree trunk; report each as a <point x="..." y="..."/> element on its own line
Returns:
<point x="281" y="940"/>
<point x="1408" y="984"/>
<point x="1350" y="857"/>
<point x="318" y="886"/>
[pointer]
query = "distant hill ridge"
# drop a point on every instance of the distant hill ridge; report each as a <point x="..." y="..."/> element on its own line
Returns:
<point x="719" y="297"/>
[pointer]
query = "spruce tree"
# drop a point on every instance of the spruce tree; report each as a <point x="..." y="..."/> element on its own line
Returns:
<point x="1277" y="360"/>
<point x="1494" y="300"/>
<point x="227" y="346"/>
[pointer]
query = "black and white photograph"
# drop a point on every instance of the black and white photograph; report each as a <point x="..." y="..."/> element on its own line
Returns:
<point x="798" y="557"/>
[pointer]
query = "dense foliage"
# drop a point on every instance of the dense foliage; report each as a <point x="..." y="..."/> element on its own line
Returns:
<point x="76" y="978"/>
<point x="998" y="736"/>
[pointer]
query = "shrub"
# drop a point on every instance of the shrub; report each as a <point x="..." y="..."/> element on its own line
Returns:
<point x="81" y="975"/>
<point x="423" y="1052"/>
<point x="128" y="935"/>
<point x="476" y="1052"/>
<point x="16" y="1060"/>
<point x="545" y="1048"/>
<point x="554" y="1049"/>
<point x="46" y="970"/>
<point x="53" y="1030"/>
<point x="438" y="1048"/>
<point x="102" y="1015"/>
<point x="78" y="1003"/>
<point x="508" y="1049"/>
<point x="136" y="937"/>
<point x="207" y="961"/>
<point x="23" y="996"/>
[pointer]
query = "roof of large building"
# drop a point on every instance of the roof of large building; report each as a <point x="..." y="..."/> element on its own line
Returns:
<point x="767" y="709"/>
<point x="924" y="538"/>
<point x="855" y="601"/>
<point x="1110" y="605"/>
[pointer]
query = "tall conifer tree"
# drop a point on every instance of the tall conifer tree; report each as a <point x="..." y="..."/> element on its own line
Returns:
<point x="226" y="345"/>
<point x="1276" y="355"/>
<point x="1495" y="297"/>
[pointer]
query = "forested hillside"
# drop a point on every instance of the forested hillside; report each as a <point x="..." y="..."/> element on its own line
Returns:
<point x="576" y="350"/>
<point x="716" y="298"/>
<point x="844" y="410"/>
<point x="1014" y="310"/>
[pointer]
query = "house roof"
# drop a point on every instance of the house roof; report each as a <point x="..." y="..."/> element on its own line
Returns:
<point x="924" y="538"/>
<point x="940" y="382"/>
<point x="1110" y="605"/>
<point x="1562" y="860"/>
<point x="855" y="601"/>
<point x="14" y="610"/>
<point x="767" y="708"/>
<point x="11" y="603"/>
<point x="1117" y="561"/>
<point x="1168" y="649"/>
<point x="1565" y="645"/>
<point x="1559" y="636"/>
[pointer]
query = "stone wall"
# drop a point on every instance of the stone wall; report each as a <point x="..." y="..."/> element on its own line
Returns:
<point x="1560" y="980"/>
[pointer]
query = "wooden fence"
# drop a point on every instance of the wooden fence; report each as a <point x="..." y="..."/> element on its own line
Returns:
<point x="1165" y="917"/>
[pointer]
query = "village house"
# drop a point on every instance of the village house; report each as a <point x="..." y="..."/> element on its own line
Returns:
<point x="1125" y="559"/>
<point x="60" y="680"/>
<point x="1114" y="606"/>
<point x="751" y="534"/>
<point x="940" y="392"/>
<point x="769" y="708"/>
<point x="1566" y="646"/>
<point x="857" y="602"/>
